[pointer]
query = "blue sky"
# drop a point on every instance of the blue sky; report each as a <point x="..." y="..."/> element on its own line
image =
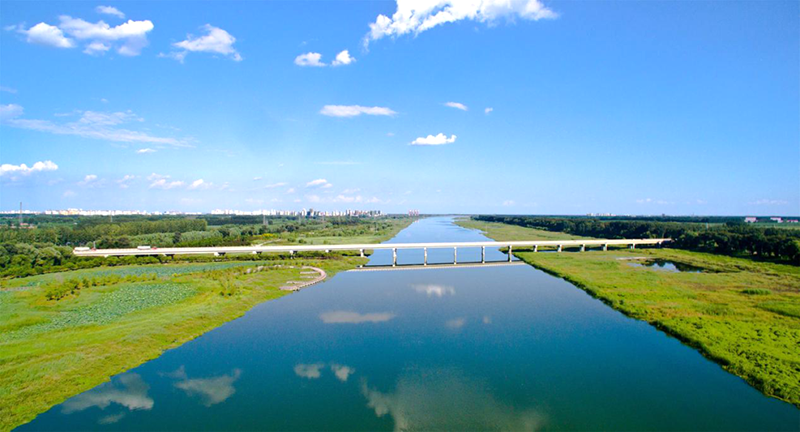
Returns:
<point x="516" y="107"/>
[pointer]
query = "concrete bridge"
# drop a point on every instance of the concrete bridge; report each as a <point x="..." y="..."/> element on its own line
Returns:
<point x="558" y="245"/>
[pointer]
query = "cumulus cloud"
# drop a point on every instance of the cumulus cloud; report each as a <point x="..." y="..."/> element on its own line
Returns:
<point x="456" y="105"/>
<point x="216" y="41"/>
<point x="91" y="124"/>
<point x="129" y="38"/>
<point x="22" y="169"/>
<point x="349" y="317"/>
<point x="416" y="17"/>
<point x="110" y="10"/>
<point x="199" y="184"/>
<point x="354" y="111"/>
<point x="145" y="151"/>
<point x="125" y="180"/>
<point x="319" y="183"/>
<point x="343" y="58"/>
<point x="309" y="59"/>
<point x="45" y="34"/>
<point x="88" y="180"/>
<point x="431" y="140"/>
<point x="488" y="110"/>
<point x="159" y="181"/>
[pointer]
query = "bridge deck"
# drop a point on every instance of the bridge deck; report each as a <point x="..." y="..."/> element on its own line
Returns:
<point x="365" y="246"/>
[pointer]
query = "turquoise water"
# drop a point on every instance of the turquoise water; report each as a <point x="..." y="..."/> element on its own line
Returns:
<point x="501" y="348"/>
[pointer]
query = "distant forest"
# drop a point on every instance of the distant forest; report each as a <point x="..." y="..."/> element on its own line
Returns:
<point x="725" y="236"/>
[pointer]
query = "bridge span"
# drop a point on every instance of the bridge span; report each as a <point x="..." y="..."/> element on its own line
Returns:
<point x="558" y="245"/>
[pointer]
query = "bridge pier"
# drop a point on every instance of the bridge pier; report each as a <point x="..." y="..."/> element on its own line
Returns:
<point x="583" y="248"/>
<point x="362" y="252"/>
<point x="536" y="248"/>
<point x="559" y="248"/>
<point x="483" y="254"/>
<point x="633" y="246"/>
<point x="425" y="259"/>
<point x="455" y="255"/>
<point x="509" y="253"/>
<point x="394" y="257"/>
<point x="605" y="247"/>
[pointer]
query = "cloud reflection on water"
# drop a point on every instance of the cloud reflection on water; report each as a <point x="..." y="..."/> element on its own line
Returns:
<point x="434" y="290"/>
<point x="128" y="390"/>
<point x="447" y="400"/>
<point x="210" y="391"/>
<point x="350" y="317"/>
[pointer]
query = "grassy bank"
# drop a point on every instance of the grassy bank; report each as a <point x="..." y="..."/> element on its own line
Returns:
<point x="744" y="315"/>
<point x="51" y="350"/>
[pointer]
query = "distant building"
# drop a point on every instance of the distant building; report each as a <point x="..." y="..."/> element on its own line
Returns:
<point x="413" y="213"/>
<point x="751" y="219"/>
<point x="776" y="219"/>
<point x="792" y="221"/>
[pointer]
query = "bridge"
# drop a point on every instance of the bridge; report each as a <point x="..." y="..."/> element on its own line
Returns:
<point x="558" y="245"/>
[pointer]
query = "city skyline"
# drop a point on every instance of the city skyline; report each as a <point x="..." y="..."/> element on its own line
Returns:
<point x="523" y="108"/>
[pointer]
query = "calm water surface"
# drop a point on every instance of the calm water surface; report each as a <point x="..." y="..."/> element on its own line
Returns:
<point x="504" y="348"/>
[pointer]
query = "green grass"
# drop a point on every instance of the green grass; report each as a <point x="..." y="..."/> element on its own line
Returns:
<point x="51" y="350"/>
<point x="501" y="231"/>
<point x="744" y="315"/>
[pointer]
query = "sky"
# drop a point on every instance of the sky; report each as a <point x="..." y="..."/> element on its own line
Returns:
<point x="479" y="106"/>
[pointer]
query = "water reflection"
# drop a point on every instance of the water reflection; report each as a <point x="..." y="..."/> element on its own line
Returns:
<point x="350" y="317"/>
<point x="342" y="372"/>
<point x="127" y="390"/>
<point x="210" y="391"/>
<point x="434" y="290"/>
<point x="443" y="399"/>
<point x="456" y="323"/>
<point x="310" y="371"/>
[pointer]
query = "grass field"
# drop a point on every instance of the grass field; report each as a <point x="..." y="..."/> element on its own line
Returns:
<point x="744" y="315"/>
<point x="51" y="350"/>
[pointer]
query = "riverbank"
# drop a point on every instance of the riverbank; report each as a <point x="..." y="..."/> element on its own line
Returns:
<point x="51" y="350"/>
<point x="742" y="314"/>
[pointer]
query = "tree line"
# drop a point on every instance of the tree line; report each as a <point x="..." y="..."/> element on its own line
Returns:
<point x="731" y="238"/>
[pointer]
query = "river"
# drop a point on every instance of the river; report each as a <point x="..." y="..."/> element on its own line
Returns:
<point x="494" y="348"/>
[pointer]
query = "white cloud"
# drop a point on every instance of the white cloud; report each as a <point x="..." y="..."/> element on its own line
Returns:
<point x="216" y="41"/>
<point x="45" y="34"/>
<point x="488" y="110"/>
<point x="342" y="372"/>
<point x="309" y="59"/>
<point x="162" y="182"/>
<point x="124" y="181"/>
<point x="110" y="10"/>
<point x="309" y="371"/>
<point x="128" y="390"/>
<point x="508" y="203"/>
<point x="769" y="202"/>
<point x="652" y="201"/>
<point x="22" y="169"/>
<point x="10" y="111"/>
<point x="416" y="17"/>
<point x="319" y="183"/>
<point x="68" y="194"/>
<point x="343" y="58"/>
<point x="257" y="178"/>
<point x="348" y="317"/>
<point x="456" y="105"/>
<point x="145" y="151"/>
<point x="199" y="184"/>
<point x="434" y="140"/>
<point x="210" y="391"/>
<point x="91" y="124"/>
<point x="274" y="185"/>
<point x="290" y="191"/>
<point x="8" y="90"/>
<point x="354" y="110"/>
<point x="131" y="36"/>
<point x="89" y="179"/>
<point x="96" y="48"/>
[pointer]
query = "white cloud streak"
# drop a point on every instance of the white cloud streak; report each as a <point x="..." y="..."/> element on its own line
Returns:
<point x="110" y="10"/>
<point x="22" y="169"/>
<point x="415" y="16"/>
<point x="456" y="105"/>
<point x="354" y="111"/>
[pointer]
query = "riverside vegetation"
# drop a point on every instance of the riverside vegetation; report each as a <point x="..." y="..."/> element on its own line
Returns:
<point x="741" y="313"/>
<point x="64" y="332"/>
